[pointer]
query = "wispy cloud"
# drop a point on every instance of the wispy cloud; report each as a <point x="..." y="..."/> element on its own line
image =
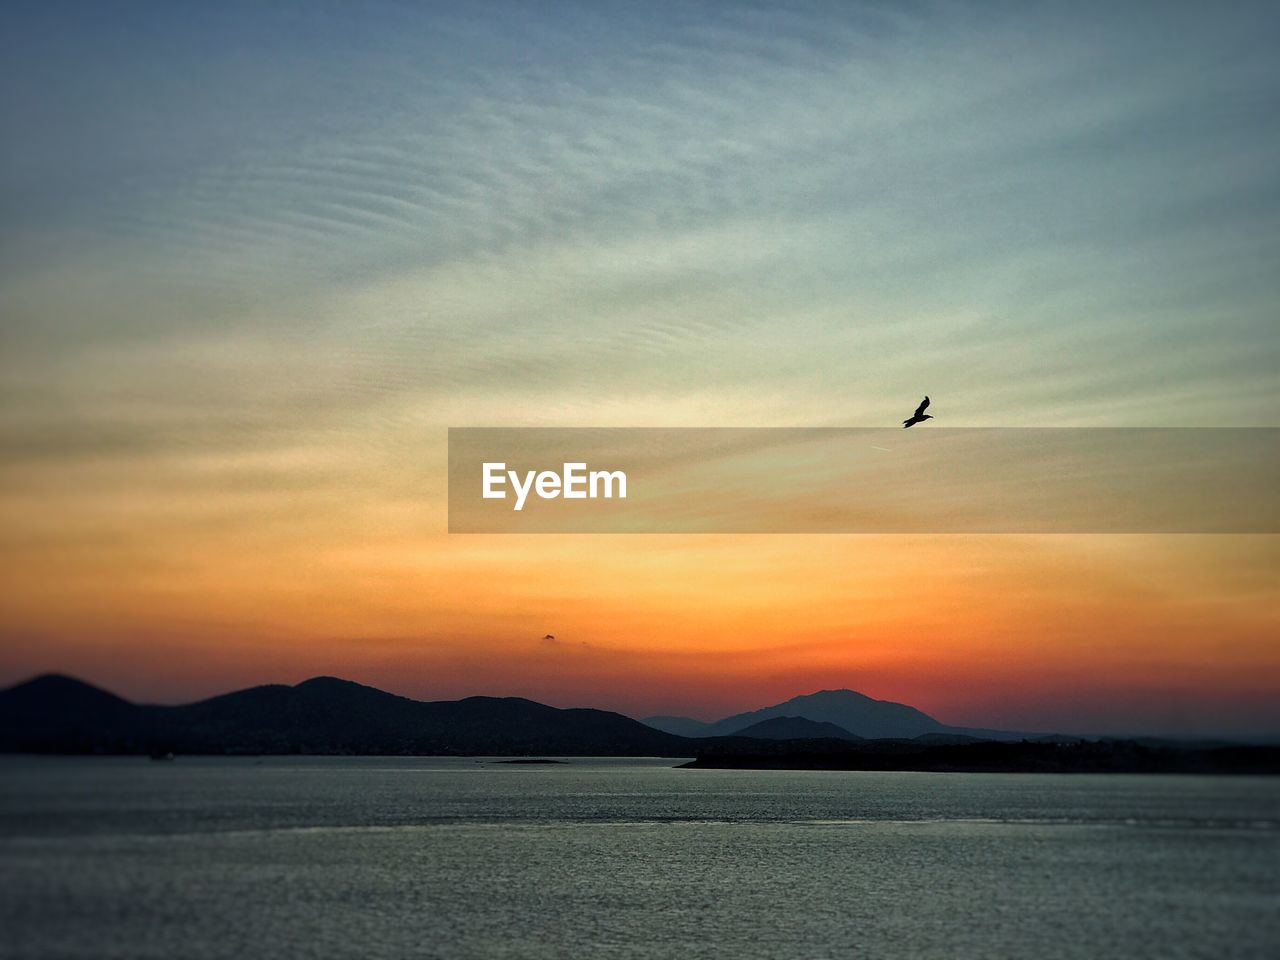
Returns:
<point x="803" y="201"/>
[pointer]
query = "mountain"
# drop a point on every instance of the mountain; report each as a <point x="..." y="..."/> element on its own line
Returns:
<point x="855" y="713"/>
<point x="795" y="728"/>
<point x="680" y="726"/>
<point x="59" y="714"/>
<point x="325" y="715"/>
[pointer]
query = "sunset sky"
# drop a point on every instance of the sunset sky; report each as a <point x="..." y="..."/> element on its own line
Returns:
<point x="256" y="259"/>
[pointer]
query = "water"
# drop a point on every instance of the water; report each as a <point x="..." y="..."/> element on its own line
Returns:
<point x="456" y="858"/>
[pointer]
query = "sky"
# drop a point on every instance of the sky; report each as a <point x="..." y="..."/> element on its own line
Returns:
<point x="256" y="259"/>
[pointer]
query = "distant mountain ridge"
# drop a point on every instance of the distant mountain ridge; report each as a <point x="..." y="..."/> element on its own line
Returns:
<point x="330" y="716"/>
<point x="853" y="712"/>
<point x="795" y="728"/>
<point x="324" y="715"/>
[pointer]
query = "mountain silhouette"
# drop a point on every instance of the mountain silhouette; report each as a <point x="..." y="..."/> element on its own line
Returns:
<point x="329" y="716"/>
<point x="60" y="714"/>
<point x="853" y="712"/>
<point x="325" y="715"/>
<point x="679" y="726"/>
<point x="795" y="728"/>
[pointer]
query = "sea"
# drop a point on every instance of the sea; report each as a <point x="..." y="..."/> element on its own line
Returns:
<point x="472" y="858"/>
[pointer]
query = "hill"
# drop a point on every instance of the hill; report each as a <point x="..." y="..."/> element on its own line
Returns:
<point x="795" y="728"/>
<point x="325" y="715"/>
<point x="853" y="712"/>
<point x="680" y="726"/>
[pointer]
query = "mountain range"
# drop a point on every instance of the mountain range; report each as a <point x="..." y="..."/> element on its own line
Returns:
<point x="855" y="714"/>
<point x="325" y="715"/>
<point x="796" y="728"/>
<point x="329" y="716"/>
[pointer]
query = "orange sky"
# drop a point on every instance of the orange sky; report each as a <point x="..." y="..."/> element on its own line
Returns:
<point x="1159" y="633"/>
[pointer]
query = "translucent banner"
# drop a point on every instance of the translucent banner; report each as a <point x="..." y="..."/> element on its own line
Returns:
<point x="864" y="480"/>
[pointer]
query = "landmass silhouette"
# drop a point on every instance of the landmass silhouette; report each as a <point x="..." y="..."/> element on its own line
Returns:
<point x="329" y="716"/>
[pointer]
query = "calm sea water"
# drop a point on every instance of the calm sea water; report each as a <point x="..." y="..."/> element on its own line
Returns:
<point x="376" y="858"/>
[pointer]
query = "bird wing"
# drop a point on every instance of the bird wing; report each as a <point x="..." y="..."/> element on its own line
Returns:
<point x="920" y="409"/>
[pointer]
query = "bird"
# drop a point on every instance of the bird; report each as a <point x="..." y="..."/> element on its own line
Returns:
<point x="919" y="416"/>
<point x="549" y="637"/>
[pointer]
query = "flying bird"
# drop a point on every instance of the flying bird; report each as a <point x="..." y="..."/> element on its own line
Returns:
<point x="919" y="416"/>
<point x="548" y="637"/>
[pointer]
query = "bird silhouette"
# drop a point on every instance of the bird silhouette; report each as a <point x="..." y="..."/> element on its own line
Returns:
<point x="919" y="416"/>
